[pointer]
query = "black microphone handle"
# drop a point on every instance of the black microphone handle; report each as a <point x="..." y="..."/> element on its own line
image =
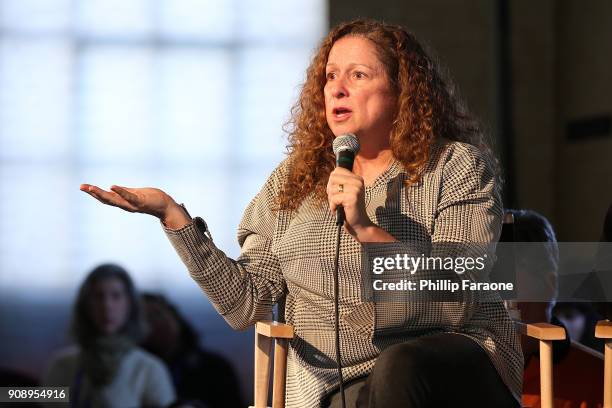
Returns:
<point x="345" y="160"/>
<point x="340" y="217"/>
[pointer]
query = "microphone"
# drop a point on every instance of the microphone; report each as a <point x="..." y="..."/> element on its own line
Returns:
<point x="345" y="148"/>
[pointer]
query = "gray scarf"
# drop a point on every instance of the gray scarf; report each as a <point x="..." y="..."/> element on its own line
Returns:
<point x="102" y="358"/>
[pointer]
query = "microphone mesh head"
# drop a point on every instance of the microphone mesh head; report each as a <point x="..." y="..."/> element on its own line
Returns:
<point x="346" y="142"/>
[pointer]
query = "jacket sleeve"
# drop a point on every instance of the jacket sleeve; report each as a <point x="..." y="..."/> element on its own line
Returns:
<point x="244" y="290"/>
<point x="467" y="224"/>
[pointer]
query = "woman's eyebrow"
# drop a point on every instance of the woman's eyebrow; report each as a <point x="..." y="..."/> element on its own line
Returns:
<point x="351" y="65"/>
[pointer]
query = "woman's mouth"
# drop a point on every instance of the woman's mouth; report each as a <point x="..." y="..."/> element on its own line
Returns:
<point x="341" y="113"/>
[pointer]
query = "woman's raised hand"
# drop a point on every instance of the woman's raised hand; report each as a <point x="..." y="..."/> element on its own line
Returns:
<point x="146" y="200"/>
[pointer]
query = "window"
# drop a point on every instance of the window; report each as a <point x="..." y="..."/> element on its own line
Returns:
<point x="186" y="95"/>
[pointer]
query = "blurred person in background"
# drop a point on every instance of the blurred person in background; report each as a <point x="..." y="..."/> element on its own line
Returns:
<point x="603" y="266"/>
<point x="198" y="375"/>
<point x="106" y="368"/>
<point x="537" y="284"/>
<point x="594" y="294"/>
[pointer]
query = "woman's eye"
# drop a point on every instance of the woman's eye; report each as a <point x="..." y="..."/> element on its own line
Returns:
<point x="330" y="75"/>
<point x="359" y="75"/>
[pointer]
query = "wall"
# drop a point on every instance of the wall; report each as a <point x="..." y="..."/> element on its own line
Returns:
<point x="559" y="72"/>
<point x="584" y="84"/>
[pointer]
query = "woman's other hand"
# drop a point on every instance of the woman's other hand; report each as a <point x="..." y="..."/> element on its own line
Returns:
<point x="146" y="200"/>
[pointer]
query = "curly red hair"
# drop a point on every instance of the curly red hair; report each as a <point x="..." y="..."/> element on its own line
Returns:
<point x="426" y="110"/>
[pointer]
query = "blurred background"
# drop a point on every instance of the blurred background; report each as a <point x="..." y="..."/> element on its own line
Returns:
<point x="191" y="95"/>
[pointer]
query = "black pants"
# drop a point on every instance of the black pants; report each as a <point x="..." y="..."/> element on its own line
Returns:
<point x="437" y="371"/>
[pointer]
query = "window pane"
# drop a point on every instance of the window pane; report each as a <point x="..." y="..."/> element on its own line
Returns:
<point x="206" y="192"/>
<point x="283" y="21"/>
<point x="117" y="102"/>
<point x="197" y="19"/>
<point x="35" y="98"/>
<point x="196" y="98"/>
<point x="269" y="80"/>
<point x="36" y="213"/>
<point x="247" y="184"/>
<point x="112" y="18"/>
<point x="35" y="15"/>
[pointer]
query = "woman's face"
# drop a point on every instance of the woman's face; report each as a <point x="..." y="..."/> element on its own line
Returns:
<point x="359" y="98"/>
<point x="109" y="306"/>
<point x="165" y="330"/>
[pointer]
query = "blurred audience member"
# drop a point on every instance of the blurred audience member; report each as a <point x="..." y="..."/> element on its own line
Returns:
<point x="604" y="266"/>
<point x="536" y="266"/>
<point x="537" y="275"/>
<point x="106" y="368"/>
<point x="199" y="376"/>
<point x="593" y="294"/>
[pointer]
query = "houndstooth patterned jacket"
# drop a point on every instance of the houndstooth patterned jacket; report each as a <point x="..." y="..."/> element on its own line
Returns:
<point x="292" y="253"/>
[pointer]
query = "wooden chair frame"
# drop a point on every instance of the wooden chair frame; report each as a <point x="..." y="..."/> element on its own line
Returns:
<point x="603" y="330"/>
<point x="267" y="332"/>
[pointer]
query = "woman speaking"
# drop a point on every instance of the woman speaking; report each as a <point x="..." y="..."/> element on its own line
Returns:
<point x="424" y="173"/>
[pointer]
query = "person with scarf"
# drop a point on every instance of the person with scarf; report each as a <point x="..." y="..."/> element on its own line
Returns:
<point x="106" y="368"/>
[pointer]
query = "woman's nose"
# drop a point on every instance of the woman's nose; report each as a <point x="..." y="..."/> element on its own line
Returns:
<point x="339" y="89"/>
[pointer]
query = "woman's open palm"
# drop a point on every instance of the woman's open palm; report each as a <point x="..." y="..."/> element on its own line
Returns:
<point x="147" y="200"/>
